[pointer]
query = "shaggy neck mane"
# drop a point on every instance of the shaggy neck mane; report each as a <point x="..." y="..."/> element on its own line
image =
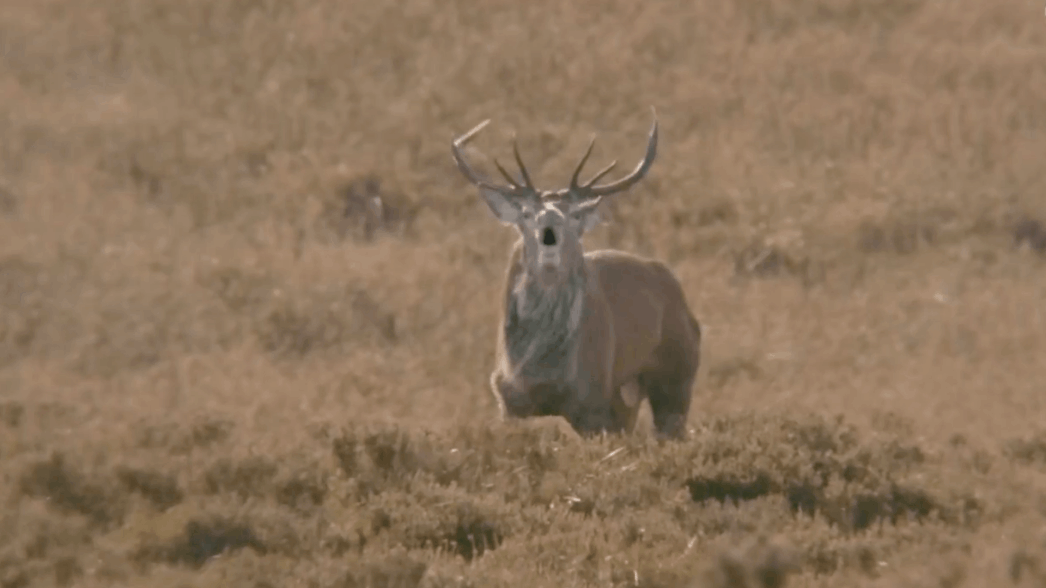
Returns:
<point x="541" y="325"/>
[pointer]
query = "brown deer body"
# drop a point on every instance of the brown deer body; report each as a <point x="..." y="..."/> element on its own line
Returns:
<point x="585" y="336"/>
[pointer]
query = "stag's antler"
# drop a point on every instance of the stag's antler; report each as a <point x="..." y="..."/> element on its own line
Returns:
<point x="590" y="190"/>
<point x="514" y="187"/>
<point x="586" y="191"/>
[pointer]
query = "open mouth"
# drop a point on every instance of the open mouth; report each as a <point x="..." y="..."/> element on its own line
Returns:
<point x="548" y="238"/>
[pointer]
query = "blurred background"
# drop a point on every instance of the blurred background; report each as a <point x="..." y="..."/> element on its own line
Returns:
<point x="245" y="211"/>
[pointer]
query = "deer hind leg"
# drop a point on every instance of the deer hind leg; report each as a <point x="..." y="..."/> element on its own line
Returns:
<point x="669" y="395"/>
<point x="669" y="387"/>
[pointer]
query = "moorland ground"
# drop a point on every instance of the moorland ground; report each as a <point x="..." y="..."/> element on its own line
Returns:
<point x="247" y="304"/>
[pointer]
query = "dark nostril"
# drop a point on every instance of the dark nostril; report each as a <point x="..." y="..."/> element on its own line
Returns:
<point x="549" y="238"/>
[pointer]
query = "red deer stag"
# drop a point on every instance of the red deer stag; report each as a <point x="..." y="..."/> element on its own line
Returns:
<point x="585" y="336"/>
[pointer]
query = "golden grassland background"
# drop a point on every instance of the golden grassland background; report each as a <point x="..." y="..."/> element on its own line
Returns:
<point x="247" y="304"/>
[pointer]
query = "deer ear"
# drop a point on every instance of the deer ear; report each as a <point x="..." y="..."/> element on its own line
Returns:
<point x="587" y="214"/>
<point x="503" y="208"/>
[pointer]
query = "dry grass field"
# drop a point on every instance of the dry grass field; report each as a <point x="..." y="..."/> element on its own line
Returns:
<point x="247" y="303"/>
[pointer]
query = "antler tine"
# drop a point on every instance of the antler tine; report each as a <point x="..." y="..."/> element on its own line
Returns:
<point x="469" y="135"/>
<point x="637" y="174"/>
<point x="459" y="158"/>
<point x="584" y="159"/>
<point x="599" y="175"/>
<point x="471" y="174"/>
<point x="506" y="175"/>
<point x="519" y="162"/>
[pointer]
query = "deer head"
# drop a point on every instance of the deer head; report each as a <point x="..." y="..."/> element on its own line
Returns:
<point x="550" y="222"/>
